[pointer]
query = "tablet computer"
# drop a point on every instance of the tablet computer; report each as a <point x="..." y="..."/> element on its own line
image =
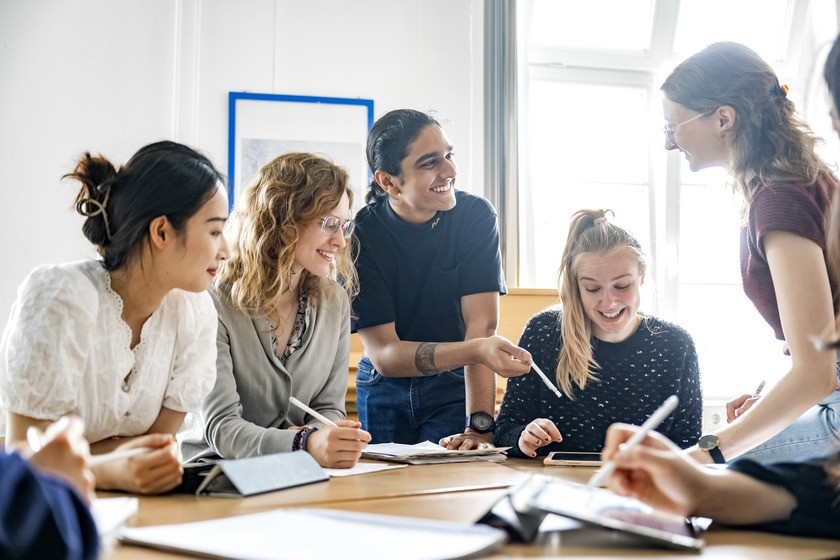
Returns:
<point x="602" y="508"/>
<point x="573" y="459"/>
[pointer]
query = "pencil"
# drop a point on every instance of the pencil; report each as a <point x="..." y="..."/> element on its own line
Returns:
<point x="312" y="412"/>
<point x="758" y="391"/>
<point x="650" y="424"/>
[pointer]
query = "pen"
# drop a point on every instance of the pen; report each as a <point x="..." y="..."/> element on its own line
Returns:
<point x="314" y="413"/>
<point x="545" y="379"/>
<point x="758" y="391"/>
<point x="36" y="439"/>
<point x="650" y="424"/>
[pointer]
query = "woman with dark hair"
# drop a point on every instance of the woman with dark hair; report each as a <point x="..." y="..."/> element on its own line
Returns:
<point x="725" y="107"/>
<point x="126" y="342"/>
<point x="611" y="362"/>
<point x="284" y="320"/>
<point x="430" y="278"/>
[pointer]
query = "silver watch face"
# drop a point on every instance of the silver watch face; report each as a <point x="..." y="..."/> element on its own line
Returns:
<point x="481" y="422"/>
<point x="708" y="442"/>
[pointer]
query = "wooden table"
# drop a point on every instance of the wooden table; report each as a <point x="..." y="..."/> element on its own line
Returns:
<point x="462" y="493"/>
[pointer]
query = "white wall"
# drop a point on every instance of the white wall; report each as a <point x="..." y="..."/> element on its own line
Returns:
<point x="110" y="76"/>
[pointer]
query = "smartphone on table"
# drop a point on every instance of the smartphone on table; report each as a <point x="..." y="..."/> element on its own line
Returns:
<point x="573" y="459"/>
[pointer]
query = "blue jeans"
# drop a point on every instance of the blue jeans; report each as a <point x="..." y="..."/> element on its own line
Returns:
<point x="410" y="409"/>
<point x="814" y="434"/>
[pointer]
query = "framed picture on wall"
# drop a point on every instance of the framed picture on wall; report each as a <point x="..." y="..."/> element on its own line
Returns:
<point x="262" y="126"/>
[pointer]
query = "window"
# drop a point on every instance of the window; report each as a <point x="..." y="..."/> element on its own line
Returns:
<point x="590" y="136"/>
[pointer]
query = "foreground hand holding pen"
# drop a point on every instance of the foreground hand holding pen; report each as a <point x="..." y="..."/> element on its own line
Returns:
<point x="650" y="424"/>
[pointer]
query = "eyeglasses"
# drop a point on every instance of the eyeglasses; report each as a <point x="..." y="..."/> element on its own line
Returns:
<point x="669" y="130"/>
<point x="330" y="225"/>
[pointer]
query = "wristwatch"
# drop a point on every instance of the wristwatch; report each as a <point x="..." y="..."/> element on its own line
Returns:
<point x="710" y="443"/>
<point x="481" y="422"/>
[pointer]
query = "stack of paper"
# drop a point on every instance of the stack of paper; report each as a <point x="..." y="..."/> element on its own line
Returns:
<point x="428" y="452"/>
<point x="315" y="534"/>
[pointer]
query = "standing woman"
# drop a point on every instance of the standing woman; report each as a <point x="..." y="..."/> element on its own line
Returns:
<point x="284" y="320"/>
<point x="430" y="278"/>
<point x="612" y="363"/>
<point x="126" y="342"/>
<point x="724" y="107"/>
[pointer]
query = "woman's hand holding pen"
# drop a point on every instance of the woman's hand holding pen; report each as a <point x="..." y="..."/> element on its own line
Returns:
<point x="152" y="472"/>
<point x="338" y="446"/>
<point x="538" y="433"/>
<point x="655" y="471"/>
<point x="738" y="406"/>
<point x="65" y="454"/>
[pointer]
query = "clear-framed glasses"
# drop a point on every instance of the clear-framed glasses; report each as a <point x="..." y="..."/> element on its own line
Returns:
<point x="669" y="130"/>
<point x="330" y="225"/>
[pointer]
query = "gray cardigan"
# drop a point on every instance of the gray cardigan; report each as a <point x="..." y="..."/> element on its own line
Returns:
<point x="248" y="410"/>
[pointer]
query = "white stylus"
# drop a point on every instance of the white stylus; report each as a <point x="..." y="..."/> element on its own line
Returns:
<point x="545" y="379"/>
<point x="314" y="413"/>
<point x="650" y="424"/>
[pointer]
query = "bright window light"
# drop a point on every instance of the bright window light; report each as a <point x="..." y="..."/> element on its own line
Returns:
<point x="623" y="25"/>
<point x="702" y="22"/>
<point x="576" y="128"/>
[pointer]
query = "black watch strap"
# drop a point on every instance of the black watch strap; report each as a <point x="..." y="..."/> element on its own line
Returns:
<point x="711" y="444"/>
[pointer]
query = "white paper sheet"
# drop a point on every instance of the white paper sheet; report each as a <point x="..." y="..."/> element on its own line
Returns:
<point x="315" y="534"/>
<point x="362" y="468"/>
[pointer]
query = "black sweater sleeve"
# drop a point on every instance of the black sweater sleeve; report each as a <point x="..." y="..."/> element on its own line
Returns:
<point x="817" y="512"/>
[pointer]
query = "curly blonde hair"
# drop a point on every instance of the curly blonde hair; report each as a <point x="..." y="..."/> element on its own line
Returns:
<point x="288" y="193"/>
<point x="589" y="232"/>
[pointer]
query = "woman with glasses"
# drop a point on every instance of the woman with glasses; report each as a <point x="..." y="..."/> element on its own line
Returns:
<point x="430" y="278"/>
<point x="725" y="107"/>
<point x="611" y="362"/>
<point x="284" y="320"/>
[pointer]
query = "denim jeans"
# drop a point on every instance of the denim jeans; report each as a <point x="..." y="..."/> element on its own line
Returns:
<point x="814" y="434"/>
<point x="410" y="409"/>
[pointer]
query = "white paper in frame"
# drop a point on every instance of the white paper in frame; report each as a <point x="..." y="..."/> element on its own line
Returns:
<point x="262" y="126"/>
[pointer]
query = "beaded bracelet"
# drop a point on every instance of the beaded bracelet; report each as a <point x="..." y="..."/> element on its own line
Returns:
<point x="296" y="443"/>
<point x="306" y="433"/>
<point x="299" y="442"/>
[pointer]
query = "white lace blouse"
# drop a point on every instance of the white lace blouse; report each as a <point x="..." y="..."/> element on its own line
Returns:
<point x="66" y="349"/>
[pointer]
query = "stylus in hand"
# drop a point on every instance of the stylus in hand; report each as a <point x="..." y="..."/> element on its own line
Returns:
<point x="650" y="424"/>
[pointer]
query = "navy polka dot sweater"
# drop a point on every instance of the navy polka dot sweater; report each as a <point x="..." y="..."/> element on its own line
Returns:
<point x="635" y="377"/>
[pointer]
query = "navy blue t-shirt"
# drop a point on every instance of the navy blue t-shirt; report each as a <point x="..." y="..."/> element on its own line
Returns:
<point x="414" y="275"/>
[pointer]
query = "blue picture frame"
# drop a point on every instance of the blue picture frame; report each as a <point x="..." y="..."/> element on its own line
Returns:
<point x="234" y="97"/>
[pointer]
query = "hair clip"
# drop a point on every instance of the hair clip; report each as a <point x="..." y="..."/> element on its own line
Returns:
<point x="83" y="207"/>
<point x="784" y="88"/>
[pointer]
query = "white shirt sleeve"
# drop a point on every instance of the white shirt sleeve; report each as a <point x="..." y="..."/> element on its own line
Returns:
<point x="46" y="343"/>
<point x="194" y="368"/>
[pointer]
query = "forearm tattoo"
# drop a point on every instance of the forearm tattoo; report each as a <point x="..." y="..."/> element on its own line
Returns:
<point x="424" y="358"/>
